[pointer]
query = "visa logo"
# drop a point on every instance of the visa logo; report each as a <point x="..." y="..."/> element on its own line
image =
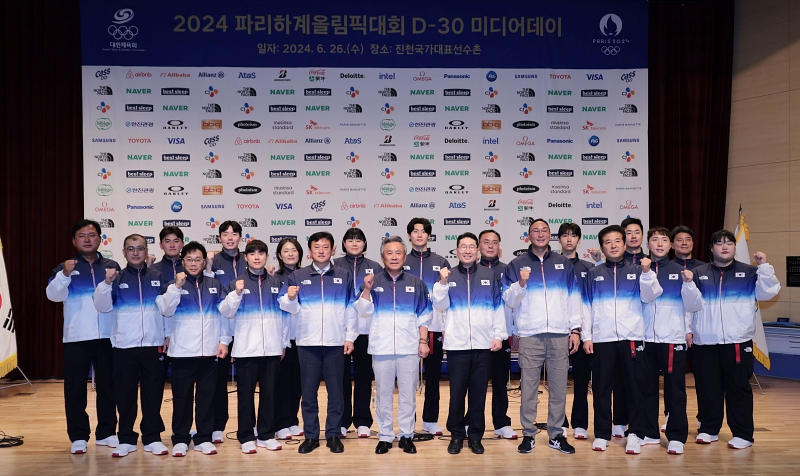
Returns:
<point x="594" y="77"/>
<point x="176" y="140"/>
<point x="283" y="206"/>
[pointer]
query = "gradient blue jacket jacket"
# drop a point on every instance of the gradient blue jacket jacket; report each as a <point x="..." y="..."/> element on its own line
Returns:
<point x="426" y="266"/>
<point x="689" y="264"/>
<point x="665" y="319"/>
<point x="499" y="269"/>
<point x="169" y="268"/>
<point x="359" y="267"/>
<point x="227" y="268"/>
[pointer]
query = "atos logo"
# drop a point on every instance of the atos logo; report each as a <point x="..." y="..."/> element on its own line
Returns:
<point x="352" y="140"/>
<point x="594" y="141"/>
<point x="491" y="76"/>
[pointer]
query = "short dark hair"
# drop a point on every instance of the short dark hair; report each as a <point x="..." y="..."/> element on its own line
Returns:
<point x="170" y="230"/>
<point x="256" y="245"/>
<point x="680" y="229"/>
<point x="237" y="228"/>
<point x="319" y="236"/>
<point x="535" y="220"/>
<point x="567" y="227"/>
<point x="469" y="235"/>
<point x="610" y="229"/>
<point x="426" y="225"/>
<point x="193" y="246"/>
<point x="719" y="235"/>
<point x="354" y="234"/>
<point x="131" y="237"/>
<point x="84" y="223"/>
<point x="480" y="236"/>
<point x="658" y="230"/>
<point x="281" y="244"/>
<point x="631" y="221"/>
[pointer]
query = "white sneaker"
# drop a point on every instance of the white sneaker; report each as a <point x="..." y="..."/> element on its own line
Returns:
<point x="675" y="448"/>
<point x="296" y="430"/>
<point x="157" y="448"/>
<point x="271" y="444"/>
<point x="634" y="445"/>
<point x="217" y="437"/>
<point x="123" y="450"/>
<point x="363" y="431"/>
<point x="564" y="430"/>
<point x="650" y="441"/>
<point x="507" y="433"/>
<point x="284" y="434"/>
<point x="206" y="448"/>
<point x="618" y="431"/>
<point x="249" y="447"/>
<point x="664" y="426"/>
<point x="580" y="434"/>
<point x="599" y="444"/>
<point x="180" y="449"/>
<point x="432" y="428"/>
<point x="112" y="441"/>
<point x="739" y="443"/>
<point x="344" y="432"/>
<point x="78" y="447"/>
<point x="705" y="438"/>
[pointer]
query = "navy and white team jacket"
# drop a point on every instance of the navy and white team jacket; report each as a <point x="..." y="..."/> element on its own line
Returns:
<point x="612" y="297"/>
<point x="359" y="266"/>
<point x="473" y="300"/>
<point x="291" y="331"/>
<point x="169" y="268"/>
<point x="580" y="268"/>
<point x="398" y="308"/>
<point x="132" y="299"/>
<point x="325" y="305"/>
<point x="260" y="325"/>
<point x="665" y="319"/>
<point x="725" y="301"/>
<point x="499" y="269"/>
<point x="426" y="266"/>
<point x="634" y="258"/>
<point x="227" y="268"/>
<point x="689" y="264"/>
<point x="550" y="302"/>
<point x="197" y="324"/>
<point x="81" y="320"/>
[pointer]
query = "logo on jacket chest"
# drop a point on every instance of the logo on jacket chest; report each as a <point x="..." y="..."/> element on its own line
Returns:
<point x="337" y="280"/>
<point x="212" y="290"/>
<point x="245" y="291"/>
<point x="673" y="277"/>
<point x="183" y="291"/>
<point x="740" y="275"/>
<point x="409" y="289"/>
<point x="123" y="285"/>
<point x="75" y="272"/>
<point x="559" y="266"/>
<point x="219" y="271"/>
<point x="631" y="277"/>
<point x="378" y="289"/>
<point x="275" y="290"/>
<point x="485" y="282"/>
<point x="436" y="268"/>
<point x="155" y="283"/>
<point x="370" y="271"/>
<point x="407" y="268"/>
<point x="305" y="281"/>
<point x="703" y="278"/>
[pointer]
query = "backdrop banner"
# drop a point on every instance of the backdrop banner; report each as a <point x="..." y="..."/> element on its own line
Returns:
<point x="305" y="117"/>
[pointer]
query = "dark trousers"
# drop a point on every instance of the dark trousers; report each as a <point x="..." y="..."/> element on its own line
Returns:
<point x="359" y="389"/>
<point x="722" y="375"/>
<point x="249" y="372"/>
<point x="78" y="359"/>
<point x="433" y="372"/>
<point x="669" y="360"/>
<point x="287" y="392"/>
<point x="581" y="373"/>
<point x="132" y="366"/>
<point x="221" y="391"/>
<point x="501" y="366"/>
<point x="186" y="373"/>
<point x="316" y="363"/>
<point x="469" y="377"/>
<point x="625" y="358"/>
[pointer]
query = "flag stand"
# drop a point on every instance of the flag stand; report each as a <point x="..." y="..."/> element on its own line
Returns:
<point x="21" y="383"/>
<point x="758" y="383"/>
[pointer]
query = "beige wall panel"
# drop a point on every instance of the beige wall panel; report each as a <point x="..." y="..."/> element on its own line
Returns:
<point x="761" y="62"/>
<point x="776" y="246"/>
<point x="754" y="14"/>
<point x="763" y="192"/>
<point x="794" y="196"/>
<point x="771" y="311"/>
<point x="759" y="131"/>
<point x="794" y="53"/>
<point x="794" y="9"/>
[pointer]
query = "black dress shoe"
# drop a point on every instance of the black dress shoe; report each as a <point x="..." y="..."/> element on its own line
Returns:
<point x="307" y="446"/>
<point x="383" y="447"/>
<point x="407" y="445"/>
<point x="335" y="444"/>
<point x="455" y="446"/>
<point x="475" y="446"/>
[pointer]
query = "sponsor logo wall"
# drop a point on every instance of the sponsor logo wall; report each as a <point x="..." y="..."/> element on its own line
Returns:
<point x="329" y="142"/>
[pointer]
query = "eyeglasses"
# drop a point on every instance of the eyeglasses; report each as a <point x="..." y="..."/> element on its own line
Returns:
<point x="193" y="260"/>
<point x="138" y="249"/>
<point x="538" y="231"/>
<point x="467" y="247"/>
<point x="490" y="243"/>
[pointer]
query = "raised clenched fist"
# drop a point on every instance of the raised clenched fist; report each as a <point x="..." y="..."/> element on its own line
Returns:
<point x="444" y="275"/>
<point x="111" y="275"/>
<point x="646" y="265"/>
<point x="760" y="257"/>
<point x="69" y="267"/>
<point x="369" y="280"/>
<point x="209" y="261"/>
<point x="180" y="280"/>
<point x="687" y="276"/>
<point x="151" y="260"/>
<point x="293" y="290"/>
<point x="595" y="254"/>
<point x="239" y="287"/>
<point x="524" y="276"/>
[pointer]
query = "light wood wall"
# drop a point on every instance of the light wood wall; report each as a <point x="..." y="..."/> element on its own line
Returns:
<point x="764" y="158"/>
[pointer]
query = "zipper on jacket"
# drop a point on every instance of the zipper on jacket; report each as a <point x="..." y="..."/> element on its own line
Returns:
<point x="174" y="269"/>
<point x="469" y="310"/>
<point x="202" y="318"/>
<point x="322" y="288"/>
<point x="721" y="321"/>
<point x="616" y="330"/>
<point x="141" y="305"/>
<point x="355" y="274"/>
<point x="94" y="286"/>
<point x="655" y="311"/>
<point x="394" y="314"/>
<point x="261" y="307"/>
<point x="546" y="312"/>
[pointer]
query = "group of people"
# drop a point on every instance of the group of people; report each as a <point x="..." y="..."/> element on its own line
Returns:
<point x="622" y="321"/>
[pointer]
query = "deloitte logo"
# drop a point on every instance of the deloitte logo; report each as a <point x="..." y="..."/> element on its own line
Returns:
<point x="388" y="189"/>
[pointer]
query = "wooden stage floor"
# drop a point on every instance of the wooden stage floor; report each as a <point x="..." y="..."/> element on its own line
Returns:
<point x="40" y="419"/>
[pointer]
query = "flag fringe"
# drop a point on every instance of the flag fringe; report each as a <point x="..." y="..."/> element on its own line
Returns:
<point x="7" y="365"/>
<point x="762" y="358"/>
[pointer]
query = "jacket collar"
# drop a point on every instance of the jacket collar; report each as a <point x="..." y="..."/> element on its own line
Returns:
<point x="133" y="270"/>
<point x="471" y="269"/>
<point x="533" y="256"/>
<point x="390" y="278"/>
<point x="635" y="257"/>
<point x="490" y="262"/>
<point x="661" y="262"/>
<point x="620" y="264"/>
<point x="417" y="254"/>
<point x="228" y="257"/>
